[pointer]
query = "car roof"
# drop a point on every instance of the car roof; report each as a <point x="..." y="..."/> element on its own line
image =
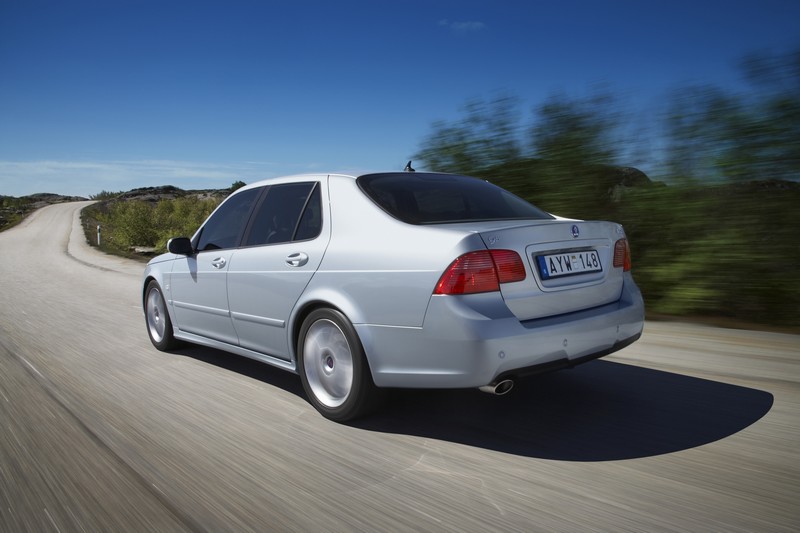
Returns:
<point x="316" y="175"/>
<point x="293" y="178"/>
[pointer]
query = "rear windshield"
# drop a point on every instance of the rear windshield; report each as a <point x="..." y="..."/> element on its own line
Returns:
<point x="445" y="199"/>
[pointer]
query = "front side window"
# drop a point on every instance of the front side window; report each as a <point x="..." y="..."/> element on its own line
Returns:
<point x="225" y="226"/>
<point x="289" y="212"/>
<point x="445" y="199"/>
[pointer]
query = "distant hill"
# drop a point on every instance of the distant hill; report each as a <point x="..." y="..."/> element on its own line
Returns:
<point x="13" y="210"/>
<point x="169" y="192"/>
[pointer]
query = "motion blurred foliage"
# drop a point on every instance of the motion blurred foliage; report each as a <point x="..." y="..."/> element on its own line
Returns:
<point x="755" y="135"/>
<point x="716" y="236"/>
<point x="486" y="137"/>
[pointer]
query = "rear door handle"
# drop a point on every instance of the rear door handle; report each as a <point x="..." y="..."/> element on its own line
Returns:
<point x="218" y="263"/>
<point x="296" y="259"/>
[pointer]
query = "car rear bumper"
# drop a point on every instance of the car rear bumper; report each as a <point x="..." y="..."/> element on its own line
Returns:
<point x="475" y="340"/>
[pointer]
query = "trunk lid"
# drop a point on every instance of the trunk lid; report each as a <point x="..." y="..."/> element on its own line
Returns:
<point x="569" y="265"/>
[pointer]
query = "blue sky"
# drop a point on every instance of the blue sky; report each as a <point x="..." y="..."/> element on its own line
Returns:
<point x="116" y="94"/>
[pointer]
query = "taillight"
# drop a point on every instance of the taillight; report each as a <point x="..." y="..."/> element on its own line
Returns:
<point x="481" y="271"/>
<point x="622" y="255"/>
<point x="509" y="265"/>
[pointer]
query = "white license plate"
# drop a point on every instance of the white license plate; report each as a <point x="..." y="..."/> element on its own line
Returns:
<point x="567" y="264"/>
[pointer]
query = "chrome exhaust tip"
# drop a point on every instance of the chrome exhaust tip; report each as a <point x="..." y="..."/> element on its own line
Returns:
<point x="499" y="388"/>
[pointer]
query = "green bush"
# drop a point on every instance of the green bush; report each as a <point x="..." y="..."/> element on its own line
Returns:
<point x="126" y="225"/>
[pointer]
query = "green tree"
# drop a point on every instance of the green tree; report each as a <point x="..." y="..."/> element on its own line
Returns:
<point x="572" y="133"/>
<point x="689" y="147"/>
<point x="487" y="136"/>
<point x="713" y="134"/>
<point x="576" y="142"/>
<point x="718" y="240"/>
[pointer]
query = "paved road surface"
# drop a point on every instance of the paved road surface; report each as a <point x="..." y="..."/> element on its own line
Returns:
<point x="691" y="429"/>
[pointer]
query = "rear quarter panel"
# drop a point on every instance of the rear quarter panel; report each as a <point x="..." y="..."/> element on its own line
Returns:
<point x="379" y="270"/>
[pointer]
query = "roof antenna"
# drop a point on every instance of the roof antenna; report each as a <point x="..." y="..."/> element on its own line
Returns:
<point x="408" y="168"/>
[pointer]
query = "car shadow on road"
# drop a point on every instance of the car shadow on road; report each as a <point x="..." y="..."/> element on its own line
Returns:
<point x="244" y="366"/>
<point x="600" y="411"/>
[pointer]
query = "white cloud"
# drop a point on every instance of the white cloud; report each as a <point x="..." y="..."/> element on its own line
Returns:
<point x="86" y="178"/>
<point x="462" y="26"/>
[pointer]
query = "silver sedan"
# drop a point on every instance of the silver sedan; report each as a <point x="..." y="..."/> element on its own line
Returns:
<point x="414" y="280"/>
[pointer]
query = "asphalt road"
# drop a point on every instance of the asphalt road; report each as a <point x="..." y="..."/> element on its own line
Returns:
<point x="690" y="429"/>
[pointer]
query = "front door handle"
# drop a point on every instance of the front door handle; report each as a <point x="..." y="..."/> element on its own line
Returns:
<point x="218" y="263"/>
<point x="296" y="259"/>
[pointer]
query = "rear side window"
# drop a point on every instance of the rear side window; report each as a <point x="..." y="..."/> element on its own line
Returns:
<point x="289" y="212"/>
<point x="225" y="226"/>
<point x="443" y="198"/>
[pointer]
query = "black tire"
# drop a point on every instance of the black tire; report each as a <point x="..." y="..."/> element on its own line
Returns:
<point x="334" y="369"/>
<point x="156" y="316"/>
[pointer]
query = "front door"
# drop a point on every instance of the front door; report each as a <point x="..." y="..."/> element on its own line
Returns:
<point x="200" y="296"/>
<point x="198" y="284"/>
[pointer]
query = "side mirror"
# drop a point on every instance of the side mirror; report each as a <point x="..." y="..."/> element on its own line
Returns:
<point x="180" y="246"/>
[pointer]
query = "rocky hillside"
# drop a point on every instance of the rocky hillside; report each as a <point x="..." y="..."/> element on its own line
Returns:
<point x="169" y="192"/>
<point x="13" y="210"/>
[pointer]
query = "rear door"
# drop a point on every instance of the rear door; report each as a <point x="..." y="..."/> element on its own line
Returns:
<point x="282" y="250"/>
